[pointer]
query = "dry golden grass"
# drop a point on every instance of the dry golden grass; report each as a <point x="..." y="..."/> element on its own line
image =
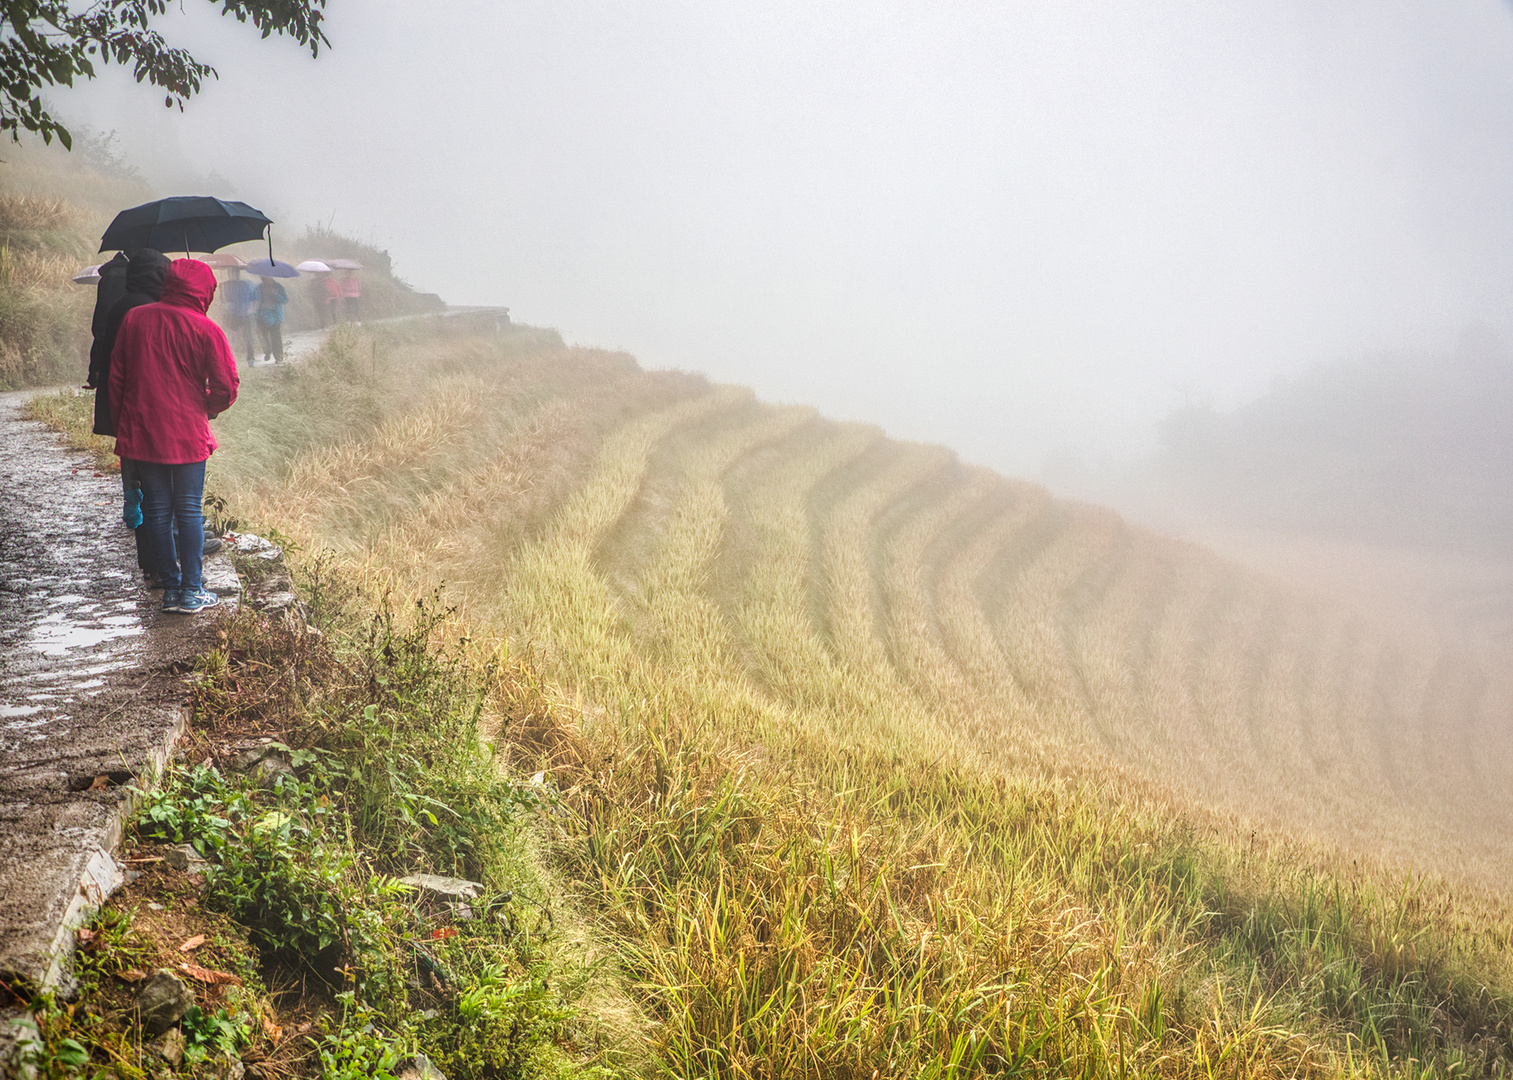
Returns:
<point x="880" y="765"/>
<point x="52" y="211"/>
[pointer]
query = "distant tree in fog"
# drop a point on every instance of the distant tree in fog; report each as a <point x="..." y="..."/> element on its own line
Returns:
<point x="47" y="43"/>
<point x="1400" y="449"/>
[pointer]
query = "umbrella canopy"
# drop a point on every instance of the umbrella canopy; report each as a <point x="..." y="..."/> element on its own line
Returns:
<point x="184" y="223"/>
<point x="224" y="261"/>
<point x="270" y="268"/>
<point x="312" y="266"/>
<point x="88" y="276"/>
<point x="344" y="264"/>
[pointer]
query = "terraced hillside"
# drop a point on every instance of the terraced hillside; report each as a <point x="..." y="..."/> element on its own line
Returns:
<point x="813" y="576"/>
<point x="867" y="763"/>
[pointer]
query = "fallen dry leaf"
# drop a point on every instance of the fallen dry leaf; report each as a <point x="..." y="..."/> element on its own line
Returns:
<point x="209" y="977"/>
<point x="99" y="783"/>
<point x="193" y="943"/>
<point x="272" y="1030"/>
<point x="86" y="936"/>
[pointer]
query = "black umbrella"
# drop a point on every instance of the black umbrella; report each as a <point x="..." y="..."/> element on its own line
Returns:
<point x="184" y="223"/>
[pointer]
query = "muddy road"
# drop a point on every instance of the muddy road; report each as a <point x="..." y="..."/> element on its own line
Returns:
<point x="91" y="686"/>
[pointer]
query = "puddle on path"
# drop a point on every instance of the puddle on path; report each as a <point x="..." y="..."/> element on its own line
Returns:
<point x="72" y="606"/>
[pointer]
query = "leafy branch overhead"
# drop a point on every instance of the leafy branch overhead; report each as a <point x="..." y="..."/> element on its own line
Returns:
<point x="46" y="43"/>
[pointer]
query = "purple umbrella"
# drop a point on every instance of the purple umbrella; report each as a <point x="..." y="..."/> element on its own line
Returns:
<point x="270" y="268"/>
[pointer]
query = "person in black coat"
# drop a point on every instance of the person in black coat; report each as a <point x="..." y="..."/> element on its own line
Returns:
<point x="111" y="288"/>
<point x="141" y="282"/>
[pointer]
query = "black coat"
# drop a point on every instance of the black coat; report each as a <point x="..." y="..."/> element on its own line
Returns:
<point x="142" y="284"/>
<point x="111" y="288"/>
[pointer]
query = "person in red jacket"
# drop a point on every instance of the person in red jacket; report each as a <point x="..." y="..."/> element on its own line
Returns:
<point x="171" y="371"/>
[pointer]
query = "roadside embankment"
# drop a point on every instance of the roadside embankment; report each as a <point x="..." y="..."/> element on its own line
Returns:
<point x="312" y="865"/>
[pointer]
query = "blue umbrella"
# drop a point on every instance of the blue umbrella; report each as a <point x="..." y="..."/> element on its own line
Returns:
<point x="184" y="223"/>
<point x="270" y="268"/>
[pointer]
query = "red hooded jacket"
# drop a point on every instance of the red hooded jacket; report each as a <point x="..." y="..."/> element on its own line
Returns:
<point x="170" y="371"/>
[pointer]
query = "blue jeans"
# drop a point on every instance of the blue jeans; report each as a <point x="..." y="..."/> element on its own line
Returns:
<point x="174" y="495"/>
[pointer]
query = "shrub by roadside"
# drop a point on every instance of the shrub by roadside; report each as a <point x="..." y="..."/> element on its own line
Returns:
<point x="324" y="766"/>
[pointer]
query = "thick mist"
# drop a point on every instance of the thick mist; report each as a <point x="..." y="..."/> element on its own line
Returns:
<point x="1031" y="232"/>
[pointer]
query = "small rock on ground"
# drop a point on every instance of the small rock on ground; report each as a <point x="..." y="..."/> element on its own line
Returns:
<point x="418" y="1067"/>
<point x="163" y="1001"/>
<point x="184" y="857"/>
<point x="254" y="546"/>
<point x="444" y="888"/>
<point x="169" y="1046"/>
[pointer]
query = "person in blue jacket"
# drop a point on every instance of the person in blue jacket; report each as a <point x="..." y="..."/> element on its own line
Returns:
<point x="271" y="299"/>
<point x="239" y="302"/>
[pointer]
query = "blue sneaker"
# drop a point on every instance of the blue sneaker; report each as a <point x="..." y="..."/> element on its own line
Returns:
<point x="171" y="599"/>
<point x="196" y="600"/>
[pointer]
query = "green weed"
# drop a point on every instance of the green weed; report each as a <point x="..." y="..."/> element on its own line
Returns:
<point x="212" y="1034"/>
<point x="386" y="774"/>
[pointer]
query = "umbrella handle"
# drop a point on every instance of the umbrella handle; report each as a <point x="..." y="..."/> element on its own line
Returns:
<point x="268" y="231"/>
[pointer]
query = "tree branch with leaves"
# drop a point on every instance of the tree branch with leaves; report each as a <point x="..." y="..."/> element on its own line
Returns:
<point x="47" y="43"/>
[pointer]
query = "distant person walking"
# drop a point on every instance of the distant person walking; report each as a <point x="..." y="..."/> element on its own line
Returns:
<point x="239" y="301"/>
<point x="331" y="312"/>
<point x="141" y="282"/>
<point x="351" y="292"/>
<point x="171" y="372"/>
<point x="271" y="299"/>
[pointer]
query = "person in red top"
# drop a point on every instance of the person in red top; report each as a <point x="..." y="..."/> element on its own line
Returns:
<point x="171" y="371"/>
<point x="351" y="291"/>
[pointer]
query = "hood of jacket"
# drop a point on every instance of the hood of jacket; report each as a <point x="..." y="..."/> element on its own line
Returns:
<point x="117" y="265"/>
<point x="189" y="283"/>
<point x="145" y="273"/>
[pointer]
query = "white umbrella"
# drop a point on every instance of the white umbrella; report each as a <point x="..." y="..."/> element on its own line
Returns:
<point x="312" y="266"/>
<point x="89" y="275"/>
<point x="344" y="264"/>
<point x="224" y="260"/>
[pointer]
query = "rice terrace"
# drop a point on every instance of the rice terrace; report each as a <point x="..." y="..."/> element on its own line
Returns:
<point x="878" y="593"/>
<point x="822" y="579"/>
<point x="778" y="747"/>
<point x="864" y="742"/>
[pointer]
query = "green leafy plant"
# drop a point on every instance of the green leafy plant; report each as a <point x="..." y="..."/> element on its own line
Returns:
<point x="197" y="807"/>
<point x="46" y="1046"/>
<point x="355" y="1048"/>
<point x="207" y="1034"/>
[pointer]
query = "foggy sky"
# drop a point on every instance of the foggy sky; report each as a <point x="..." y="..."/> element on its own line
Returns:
<point x="1018" y="229"/>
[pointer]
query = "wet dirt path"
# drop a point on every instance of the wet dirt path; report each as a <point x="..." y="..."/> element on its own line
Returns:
<point x="89" y="694"/>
